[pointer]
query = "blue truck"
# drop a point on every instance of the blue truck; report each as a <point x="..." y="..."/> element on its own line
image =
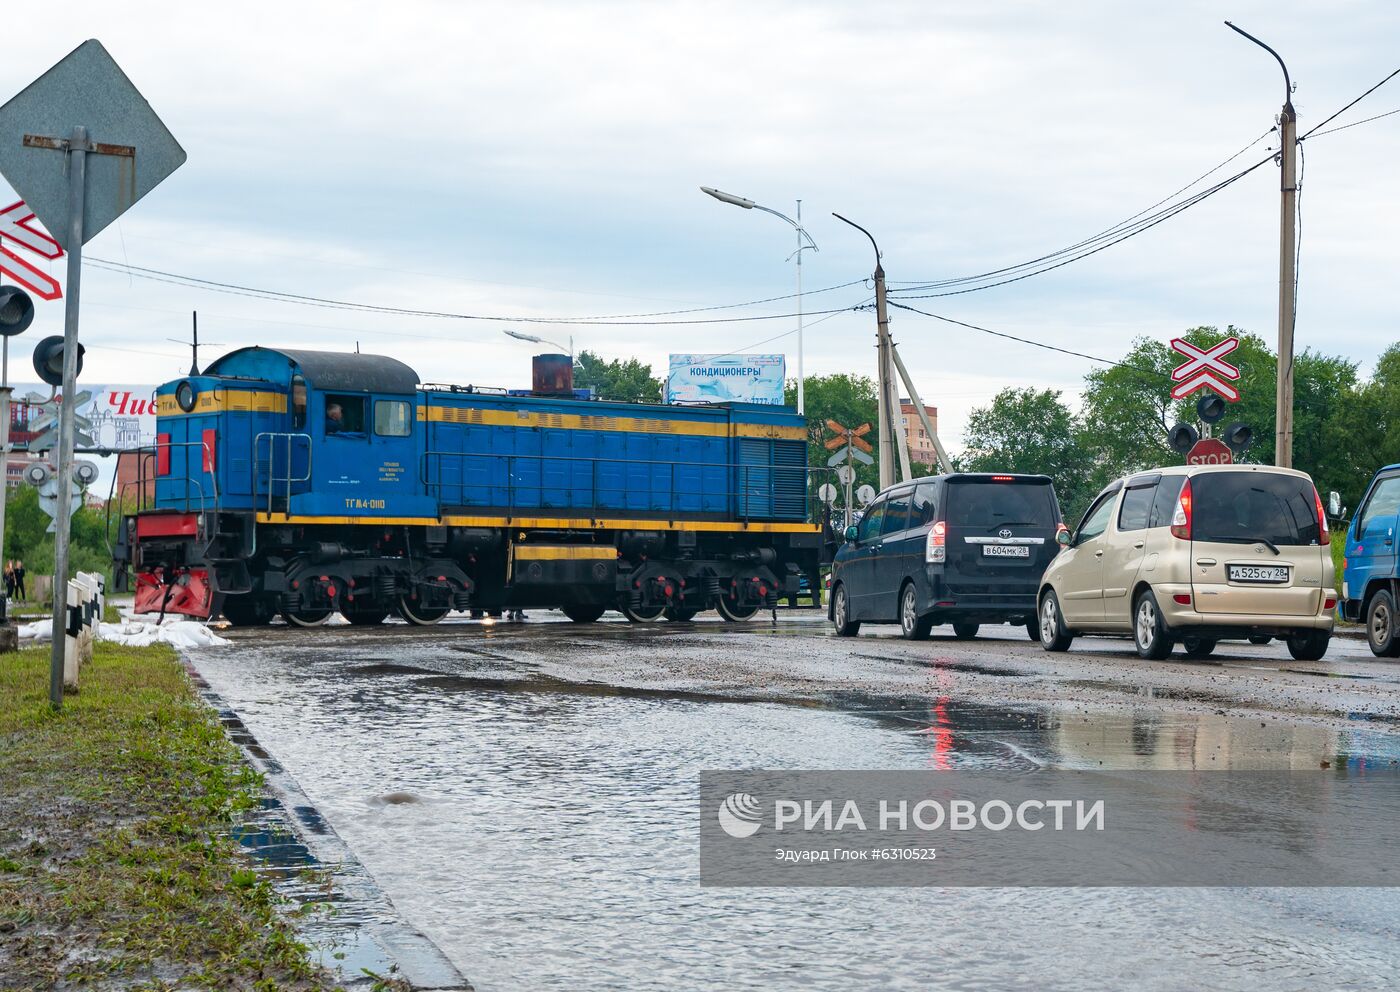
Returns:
<point x="1370" y="583"/>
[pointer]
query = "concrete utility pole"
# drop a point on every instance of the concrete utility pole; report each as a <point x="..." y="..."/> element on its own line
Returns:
<point x="890" y="435"/>
<point x="1287" y="261"/>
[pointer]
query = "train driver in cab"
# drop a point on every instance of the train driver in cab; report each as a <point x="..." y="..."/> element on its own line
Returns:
<point x="335" y="418"/>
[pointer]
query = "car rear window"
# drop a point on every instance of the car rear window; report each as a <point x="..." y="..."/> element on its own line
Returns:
<point x="1242" y="507"/>
<point x="983" y="504"/>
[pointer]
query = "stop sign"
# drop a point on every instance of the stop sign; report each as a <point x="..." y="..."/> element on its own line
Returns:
<point x="1209" y="451"/>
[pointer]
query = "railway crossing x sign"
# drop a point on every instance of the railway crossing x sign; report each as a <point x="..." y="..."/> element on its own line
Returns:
<point x="1205" y="369"/>
<point x="16" y="224"/>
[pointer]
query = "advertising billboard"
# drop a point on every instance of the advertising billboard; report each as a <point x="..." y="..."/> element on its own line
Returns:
<point x="723" y="378"/>
<point x="121" y="416"/>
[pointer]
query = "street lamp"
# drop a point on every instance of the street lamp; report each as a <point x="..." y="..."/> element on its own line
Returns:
<point x="739" y="201"/>
<point x="536" y="340"/>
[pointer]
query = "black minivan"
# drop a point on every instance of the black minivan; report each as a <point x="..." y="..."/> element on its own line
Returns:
<point x="965" y="549"/>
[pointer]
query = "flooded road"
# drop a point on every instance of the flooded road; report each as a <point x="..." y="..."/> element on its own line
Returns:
<point x="526" y="796"/>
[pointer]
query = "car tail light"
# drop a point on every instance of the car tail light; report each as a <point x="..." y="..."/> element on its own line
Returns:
<point x="1322" y="536"/>
<point x="936" y="550"/>
<point x="1181" y="519"/>
<point x="1330" y="603"/>
<point x="1003" y="478"/>
<point x="1182" y="598"/>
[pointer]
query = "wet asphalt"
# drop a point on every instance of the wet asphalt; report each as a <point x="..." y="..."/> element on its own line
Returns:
<point x="525" y="794"/>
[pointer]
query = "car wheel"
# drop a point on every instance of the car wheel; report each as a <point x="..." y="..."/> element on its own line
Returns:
<point x="1033" y="628"/>
<point x="911" y="625"/>
<point x="966" y="631"/>
<point x="1310" y="645"/>
<point x="583" y="612"/>
<point x="1198" y="647"/>
<point x="1380" y="626"/>
<point x="1053" y="635"/>
<point x="1260" y="639"/>
<point x="841" y="614"/>
<point x="1149" y="633"/>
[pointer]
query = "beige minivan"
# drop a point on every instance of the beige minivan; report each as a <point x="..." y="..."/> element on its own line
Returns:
<point x="1196" y="554"/>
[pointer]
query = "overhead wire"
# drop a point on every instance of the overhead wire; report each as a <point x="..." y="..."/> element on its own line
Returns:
<point x="1030" y="341"/>
<point x="1138" y="228"/>
<point x="234" y="289"/>
<point x="1129" y="222"/>
<point x="1311" y="131"/>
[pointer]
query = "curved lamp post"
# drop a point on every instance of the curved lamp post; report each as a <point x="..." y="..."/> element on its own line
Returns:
<point x="802" y="236"/>
<point x="538" y="340"/>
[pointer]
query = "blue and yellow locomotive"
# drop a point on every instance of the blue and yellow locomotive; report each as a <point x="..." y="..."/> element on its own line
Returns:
<point x="303" y="483"/>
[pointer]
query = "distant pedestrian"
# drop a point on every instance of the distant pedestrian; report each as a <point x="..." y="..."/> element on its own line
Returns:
<point x="515" y="616"/>
<point x="19" y="581"/>
<point x="9" y="580"/>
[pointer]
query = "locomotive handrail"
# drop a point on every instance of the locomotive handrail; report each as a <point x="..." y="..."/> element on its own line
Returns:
<point x="766" y="493"/>
<point x="272" y="481"/>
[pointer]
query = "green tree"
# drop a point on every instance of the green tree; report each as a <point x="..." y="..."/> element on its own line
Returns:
<point x="1033" y="431"/>
<point x="1361" y="431"/>
<point x="626" y="381"/>
<point x="850" y="401"/>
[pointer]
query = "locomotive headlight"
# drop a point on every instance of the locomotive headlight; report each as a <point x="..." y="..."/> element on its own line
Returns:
<point x="184" y="396"/>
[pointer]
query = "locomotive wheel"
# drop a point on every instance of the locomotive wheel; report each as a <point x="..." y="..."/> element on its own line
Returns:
<point x="420" y="616"/>
<point x="583" y="612"/>
<point x="644" y="614"/>
<point x="306" y="618"/>
<point x="366" y="614"/>
<point x="730" y="610"/>
<point x="248" y="611"/>
<point x="677" y="614"/>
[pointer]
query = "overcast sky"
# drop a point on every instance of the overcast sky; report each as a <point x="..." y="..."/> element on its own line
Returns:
<point x="544" y="159"/>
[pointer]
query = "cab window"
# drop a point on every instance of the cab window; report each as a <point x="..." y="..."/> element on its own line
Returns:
<point x="345" y="415"/>
<point x="1384" y="502"/>
<point x="870" y="522"/>
<point x="298" y="403"/>
<point x="896" y="514"/>
<point x="391" y="418"/>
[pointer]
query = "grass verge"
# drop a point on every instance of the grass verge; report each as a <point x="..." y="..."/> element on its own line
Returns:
<point x="116" y="866"/>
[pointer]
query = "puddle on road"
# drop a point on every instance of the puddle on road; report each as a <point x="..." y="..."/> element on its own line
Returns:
<point x="552" y="842"/>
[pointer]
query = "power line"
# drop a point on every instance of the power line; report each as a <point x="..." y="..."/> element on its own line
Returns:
<point x="1029" y="341"/>
<point x="1133" y="231"/>
<point x="1120" y="226"/>
<point x="1364" y="120"/>
<point x="1353" y="103"/>
<point x="233" y="289"/>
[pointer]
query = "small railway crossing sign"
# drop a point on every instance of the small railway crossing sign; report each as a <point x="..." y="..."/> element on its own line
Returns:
<point x="1205" y="369"/>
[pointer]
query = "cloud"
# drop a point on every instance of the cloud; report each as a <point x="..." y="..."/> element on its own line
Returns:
<point x="544" y="158"/>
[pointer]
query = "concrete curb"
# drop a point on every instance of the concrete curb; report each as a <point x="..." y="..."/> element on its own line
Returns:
<point x="289" y="834"/>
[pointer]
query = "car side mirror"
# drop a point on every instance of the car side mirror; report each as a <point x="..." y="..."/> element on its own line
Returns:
<point x="851" y="533"/>
<point x="1063" y="537"/>
<point x="1334" y="504"/>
